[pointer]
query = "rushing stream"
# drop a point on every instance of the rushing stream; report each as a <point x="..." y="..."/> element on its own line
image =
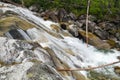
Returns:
<point x="69" y="50"/>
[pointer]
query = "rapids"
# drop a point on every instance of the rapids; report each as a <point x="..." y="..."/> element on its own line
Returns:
<point x="69" y="50"/>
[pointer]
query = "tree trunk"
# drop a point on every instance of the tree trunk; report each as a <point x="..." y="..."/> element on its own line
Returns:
<point x="88" y="5"/>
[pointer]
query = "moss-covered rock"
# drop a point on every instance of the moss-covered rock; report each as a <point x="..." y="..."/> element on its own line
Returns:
<point x="55" y="28"/>
<point x="117" y="70"/>
<point x="94" y="40"/>
<point x="112" y="43"/>
<point x="13" y="22"/>
<point x="93" y="75"/>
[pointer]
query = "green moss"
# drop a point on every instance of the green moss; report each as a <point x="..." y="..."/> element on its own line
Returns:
<point x="29" y="75"/>
<point x="35" y="61"/>
<point x="111" y="42"/>
<point x="5" y="64"/>
<point x="6" y="23"/>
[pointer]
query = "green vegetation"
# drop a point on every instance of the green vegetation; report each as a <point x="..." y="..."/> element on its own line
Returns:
<point x="17" y="1"/>
<point x="101" y="8"/>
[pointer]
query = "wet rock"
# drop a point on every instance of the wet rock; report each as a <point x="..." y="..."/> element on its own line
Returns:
<point x="55" y="28"/>
<point x="79" y="24"/>
<point x="112" y="37"/>
<point x="13" y="22"/>
<point x="44" y="15"/>
<point x="112" y="43"/>
<point x="49" y="15"/>
<point x="1" y="12"/>
<point x="15" y="51"/>
<point x="117" y="70"/>
<point x="81" y="17"/>
<point x="118" y="45"/>
<point x="92" y="18"/>
<point x="102" y="34"/>
<point x="107" y="26"/>
<point x="72" y="16"/>
<point x="66" y="18"/>
<point x="118" y="36"/>
<point x="8" y="13"/>
<point x="62" y="14"/>
<point x="42" y="72"/>
<point x="118" y="57"/>
<point x="34" y="8"/>
<point x="64" y="26"/>
<point x="53" y="17"/>
<point x="17" y="34"/>
<point x="94" y="40"/>
<point x="91" y="26"/>
<point x="73" y="29"/>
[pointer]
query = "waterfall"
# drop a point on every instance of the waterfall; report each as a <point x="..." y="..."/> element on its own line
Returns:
<point x="69" y="50"/>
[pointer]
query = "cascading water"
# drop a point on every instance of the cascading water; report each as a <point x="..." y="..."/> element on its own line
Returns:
<point x="82" y="56"/>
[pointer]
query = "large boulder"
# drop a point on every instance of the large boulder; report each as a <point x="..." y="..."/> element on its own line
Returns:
<point x="72" y="16"/>
<point x="117" y="70"/>
<point x="73" y="29"/>
<point x="94" y="40"/>
<point x="53" y="17"/>
<point x="49" y="15"/>
<point x="79" y="24"/>
<point x="102" y="34"/>
<point x="109" y="27"/>
<point x="62" y="14"/>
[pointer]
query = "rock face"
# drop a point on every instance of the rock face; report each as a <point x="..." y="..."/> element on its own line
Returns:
<point x="31" y="61"/>
<point x="13" y="22"/>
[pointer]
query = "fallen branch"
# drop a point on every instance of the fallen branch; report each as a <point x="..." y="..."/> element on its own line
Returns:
<point x="87" y="69"/>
